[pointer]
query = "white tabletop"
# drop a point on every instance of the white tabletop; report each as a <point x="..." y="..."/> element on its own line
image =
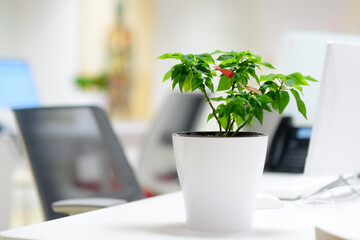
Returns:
<point x="163" y="217"/>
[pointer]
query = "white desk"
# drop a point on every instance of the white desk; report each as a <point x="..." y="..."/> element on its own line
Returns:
<point x="163" y="217"/>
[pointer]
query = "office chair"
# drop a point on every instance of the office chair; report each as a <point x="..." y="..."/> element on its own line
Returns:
<point x="157" y="170"/>
<point x="76" y="159"/>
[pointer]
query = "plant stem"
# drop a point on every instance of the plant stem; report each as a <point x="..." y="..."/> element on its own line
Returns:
<point x="213" y="110"/>
<point x="229" y="122"/>
<point x="230" y="125"/>
<point x="241" y="126"/>
<point x="227" y="130"/>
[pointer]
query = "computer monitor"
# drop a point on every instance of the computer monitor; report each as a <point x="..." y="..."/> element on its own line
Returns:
<point x="334" y="144"/>
<point x="304" y="51"/>
<point x="17" y="87"/>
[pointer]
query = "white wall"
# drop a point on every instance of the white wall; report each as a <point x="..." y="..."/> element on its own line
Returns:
<point x="273" y="19"/>
<point x="292" y="35"/>
<point x="199" y="26"/>
<point x="9" y="28"/>
<point x="48" y="39"/>
<point x="48" y="34"/>
<point x="257" y="25"/>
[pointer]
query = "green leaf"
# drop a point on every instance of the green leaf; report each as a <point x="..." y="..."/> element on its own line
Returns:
<point x="209" y="84"/>
<point x="310" y="78"/>
<point x="178" y="75"/>
<point x="223" y="121"/>
<point x="182" y="82"/>
<point x="268" y="65"/>
<point x="224" y="57"/>
<point x="216" y="52"/>
<point x="219" y="110"/>
<point x="290" y="82"/>
<point x="170" y="55"/>
<point x="175" y="81"/>
<point x="284" y="100"/>
<point x="240" y="78"/>
<point x="217" y="99"/>
<point x="264" y="98"/>
<point x="298" y="88"/>
<point x="281" y="76"/>
<point x="270" y="94"/>
<point x="266" y="107"/>
<point x="276" y="103"/>
<point x="239" y="120"/>
<point x="250" y="121"/>
<point x="188" y="82"/>
<point x="177" y="69"/>
<point x="229" y="108"/>
<point x="202" y="88"/>
<point x="203" y="69"/>
<point x="253" y="74"/>
<point x="257" y="101"/>
<point x="264" y="101"/>
<point x="259" y="113"/>
<point x="231" y="92"/>
<point x="299" y="78"/>
<point x="196" y="82"/>
<point x="258" y="59"/>
<point x="167" y="75"/>
<point x="268" y="85"/>
<point x="224" y="83"/>
<point x="300" y="104"/>
<point x="210" y="117"/>
<point x="239" y="108"/>
<point x="188" y="60"/>
<point x="269" y="77"/>
<point x="206" y="57"/>
<point x="228" y="62"/>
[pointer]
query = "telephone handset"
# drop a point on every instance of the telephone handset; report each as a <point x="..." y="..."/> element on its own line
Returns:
<point x="288" y="149"/>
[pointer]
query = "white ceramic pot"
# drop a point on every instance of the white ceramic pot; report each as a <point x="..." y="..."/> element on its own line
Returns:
<point x="220" y="178"/>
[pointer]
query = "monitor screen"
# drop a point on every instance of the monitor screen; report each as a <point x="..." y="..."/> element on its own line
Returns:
<point x="303" y="133"/>
<point x="16" y="85"/>
<point x="334" y="144"/>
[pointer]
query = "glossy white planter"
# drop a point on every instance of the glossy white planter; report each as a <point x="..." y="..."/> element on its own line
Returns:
<point x="220" y="178"/>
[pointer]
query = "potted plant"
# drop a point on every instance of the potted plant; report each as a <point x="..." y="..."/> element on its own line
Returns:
<point x="220" y="172"/>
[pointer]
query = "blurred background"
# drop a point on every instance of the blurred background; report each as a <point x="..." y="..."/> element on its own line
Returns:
<point x="104" y="53"/>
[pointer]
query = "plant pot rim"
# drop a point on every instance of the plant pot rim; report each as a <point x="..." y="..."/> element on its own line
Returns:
<point x="215" y="134"/>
